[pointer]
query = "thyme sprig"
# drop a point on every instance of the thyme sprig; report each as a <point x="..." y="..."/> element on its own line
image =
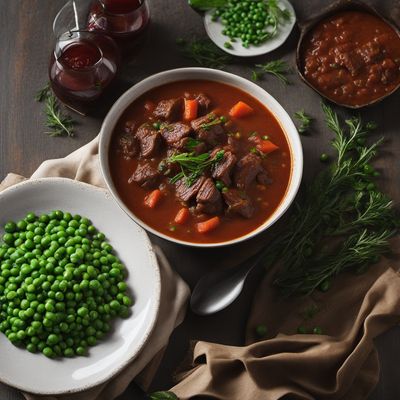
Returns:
<point x="344" y="222"/>
<point x="277" y="68"/>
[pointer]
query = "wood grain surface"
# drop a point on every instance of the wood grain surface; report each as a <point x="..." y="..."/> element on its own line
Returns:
<point x="26" y="41"/>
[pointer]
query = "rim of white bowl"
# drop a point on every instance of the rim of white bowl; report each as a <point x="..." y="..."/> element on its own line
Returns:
<point x="156" y="269"/>
<point x="207" y="74"/>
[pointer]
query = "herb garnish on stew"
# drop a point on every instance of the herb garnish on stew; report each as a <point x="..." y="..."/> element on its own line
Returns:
<point x="192" y="166"/>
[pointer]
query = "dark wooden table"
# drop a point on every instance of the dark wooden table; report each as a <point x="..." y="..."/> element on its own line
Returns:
<point x="26" y="41"/>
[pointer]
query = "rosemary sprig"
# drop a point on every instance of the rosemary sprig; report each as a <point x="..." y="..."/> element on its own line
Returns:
<point x="60" y="123"/>
<point x="192" y="166"/>
<point x="163" y="396"/>
<point x="204" y="53"/>
<point x="343" y="223"/>
<point x="305" y="121"/>
<point x="277" y="68"/>
<point x="43" y="93"/>
<point x="216" y="121"/>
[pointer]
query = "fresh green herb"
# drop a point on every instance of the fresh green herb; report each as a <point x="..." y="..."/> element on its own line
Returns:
<point x="302" y="330"/>
<point x="157" y="125"/>
<point x="43" y="93"/>
<point x="192" y="143"/>
<point x="305" y="121"/>
<point x="254" y="133"/>
<point x="220" y="185"/>
<point x="340" y="208"/>
<point x="163" y="396"/>
<point x="205" y="53"/>
<point x="60" y="123"/>
<point x="265" y="137"/>
<point x="193" y="166"/>
<point x="216" y="121"/>
<point x="207" y="4"/>
<point x="277" y="68"/>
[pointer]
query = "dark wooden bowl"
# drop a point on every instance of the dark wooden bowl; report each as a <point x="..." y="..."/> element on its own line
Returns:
<point x="307" y="26"/>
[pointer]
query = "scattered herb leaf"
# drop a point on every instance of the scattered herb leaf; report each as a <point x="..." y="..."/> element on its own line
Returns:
<point x="204" y="52"/>
<point x="60" y="123"/>
<point x="43" y="93"/>
<point x="340" y="208"/>
<point x="305" y="121"/>
<point x="277" y="68"/>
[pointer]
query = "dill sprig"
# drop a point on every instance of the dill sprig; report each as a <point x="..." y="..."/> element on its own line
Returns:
<point x="204" y="52"/>
<point x="193" y="166"/>
<point x="277" y="68"/>
<point x="60" y="123"/>
<point x="305" y="121"/>
<point x="344" y="222"/>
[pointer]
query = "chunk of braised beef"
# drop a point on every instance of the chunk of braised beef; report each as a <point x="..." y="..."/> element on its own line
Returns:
<point x="150" y="140"/>
<point x="247" y="170"/>
<point x="223" y="169"/>
<point x="238" y="203"/>
<point x="128" y="145"/>
<point x="209" y="129"/>
<point x="186" y="193"/>
<point x="170" y="110"/>
<point x="146" y="176"/>
<point x="199" y="122"/>
<point x="204" y="102"/>
<point x="173" y="133"/>
<point x="209" y="200"/>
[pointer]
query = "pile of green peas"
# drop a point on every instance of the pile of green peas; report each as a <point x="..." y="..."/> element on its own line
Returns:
<point x="60" y="284"/>
<point x="246" y="20"/>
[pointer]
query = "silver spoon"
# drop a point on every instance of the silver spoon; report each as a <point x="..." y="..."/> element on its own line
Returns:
<point x="219" y="289"/>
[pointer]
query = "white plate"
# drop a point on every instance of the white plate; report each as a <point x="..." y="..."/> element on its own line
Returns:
<point x="35" y="373"/>
<point x="214" y="31"/>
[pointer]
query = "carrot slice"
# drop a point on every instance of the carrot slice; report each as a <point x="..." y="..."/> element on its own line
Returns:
<point x="266" y="146"/>
<point x="240" y="109"/>
<point x="191" y="108"/>
<point x="209" y="225"/>
<point x="153" y="198"/>
<point x="182" y="216"/>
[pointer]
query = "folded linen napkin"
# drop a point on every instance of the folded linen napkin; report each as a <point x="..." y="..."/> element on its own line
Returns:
<point x="83" y="165"/>
<point x="341" y="363"/>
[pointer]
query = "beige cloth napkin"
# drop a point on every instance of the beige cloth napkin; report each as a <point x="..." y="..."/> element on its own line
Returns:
<point x="83" y="165"/>
<point x="340" y="364"/>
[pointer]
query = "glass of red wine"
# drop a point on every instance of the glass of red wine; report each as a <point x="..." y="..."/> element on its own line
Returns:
<point x="83" y="63"/>
<point x="123" y="20"/>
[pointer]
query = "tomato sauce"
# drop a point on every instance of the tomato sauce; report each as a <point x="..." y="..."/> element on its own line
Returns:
<point x="266" y="198"/>
<point x="352" y="57"/>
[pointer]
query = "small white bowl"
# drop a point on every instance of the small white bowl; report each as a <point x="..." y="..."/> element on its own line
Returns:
<point x="183" y="74"/>
<point x="214" y="31"/>
<point x="34" y="373"/>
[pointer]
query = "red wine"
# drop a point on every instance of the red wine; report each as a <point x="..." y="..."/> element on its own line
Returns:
<point x="121" y="6"/>
<point x="80" y="55"/>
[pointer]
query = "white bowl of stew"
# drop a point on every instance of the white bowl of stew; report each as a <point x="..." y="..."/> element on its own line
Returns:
<point x="201" y="157"/>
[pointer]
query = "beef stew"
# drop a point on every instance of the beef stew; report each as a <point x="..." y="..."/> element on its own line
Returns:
<point x="200" y="161"/>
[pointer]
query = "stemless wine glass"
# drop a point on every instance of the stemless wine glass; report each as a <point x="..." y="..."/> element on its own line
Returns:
<point x="83" y="63"/>
<point x="123" y="20"/>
